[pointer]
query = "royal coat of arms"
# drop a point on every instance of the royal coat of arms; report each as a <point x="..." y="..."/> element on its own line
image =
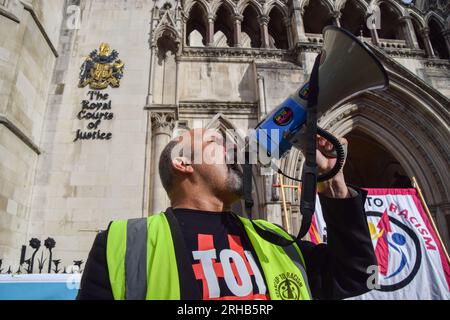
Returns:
<point x="102" y="69"/>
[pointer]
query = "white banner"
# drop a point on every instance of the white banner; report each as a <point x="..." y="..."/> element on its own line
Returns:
<point x="39" y="286"/>
<point x="412" y="264"/>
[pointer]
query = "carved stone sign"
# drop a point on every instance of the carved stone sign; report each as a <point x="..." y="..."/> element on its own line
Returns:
<point x="96" y="109"/>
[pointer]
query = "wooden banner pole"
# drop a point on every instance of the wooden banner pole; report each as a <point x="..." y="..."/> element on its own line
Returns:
<point x="285" y="220"/>
<point x="424" y="204"/>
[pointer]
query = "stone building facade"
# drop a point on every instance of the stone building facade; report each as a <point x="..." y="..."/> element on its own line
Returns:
<point x="186" y="63"/>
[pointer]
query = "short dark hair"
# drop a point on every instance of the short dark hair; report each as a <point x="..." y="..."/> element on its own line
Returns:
<point x="166" y="172"/>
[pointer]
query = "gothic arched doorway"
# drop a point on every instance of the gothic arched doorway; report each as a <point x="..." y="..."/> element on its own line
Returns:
<point x="371" y="165"/>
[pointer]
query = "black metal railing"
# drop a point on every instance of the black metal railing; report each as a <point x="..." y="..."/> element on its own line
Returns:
<point x="43" y="264"/>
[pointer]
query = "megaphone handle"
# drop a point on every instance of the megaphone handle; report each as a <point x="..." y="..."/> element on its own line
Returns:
<point x="341" y="155"/>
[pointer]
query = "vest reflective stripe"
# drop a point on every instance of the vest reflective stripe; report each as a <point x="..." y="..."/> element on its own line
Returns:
<point x="136" y="260"/>
<point x="283" y="268"/>
<point x="159" y="258"/>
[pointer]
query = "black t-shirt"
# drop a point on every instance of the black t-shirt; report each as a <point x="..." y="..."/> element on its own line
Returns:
<point x="224" y="262"/>
<point x="336" y="270"/>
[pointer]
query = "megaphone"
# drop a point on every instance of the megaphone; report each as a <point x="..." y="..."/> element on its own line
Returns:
<point x="347" y="68"/>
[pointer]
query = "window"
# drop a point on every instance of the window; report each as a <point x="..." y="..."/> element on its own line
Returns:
<point x="316" y="17"/>
<point x="250" y="28"/>
<point x="277" y="30"/>
<point x="196" y="27"/>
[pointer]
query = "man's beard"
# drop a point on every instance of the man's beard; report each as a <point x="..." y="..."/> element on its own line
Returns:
<point x="235" y="182"/>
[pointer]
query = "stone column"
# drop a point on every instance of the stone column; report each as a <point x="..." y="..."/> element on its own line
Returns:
<point x="210" y="32"/>
<point x="264" y="26"/>
<point x="177" y="82"/>
<point x="297" y="23"/>
<point x="336" y="15"/>
<point x="373" y="32"/>
<point x="162" y="126"/>
<point x="153" y="54"/>
<point x="425" y="32"/>
<point x="288" y="26"/>
<point x="262" y="97"/>
<point x="184" y="20"/>
<point x="408" y="31"/>
<point x="446" y="35"/>
<point x="238" y="18"/>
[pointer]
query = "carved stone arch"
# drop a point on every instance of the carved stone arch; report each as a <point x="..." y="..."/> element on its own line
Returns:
<point x="224" y="23"/>
<point x="418" y="24"/>
<point x="419" y="18"/>
<point x="436" y="27"/>
<point x="327" y="3"/>
<point x="228" y="3"/>
<point x="392" y="128"/>
<point x="390" y="18"/>
<point x="340" y="4"/>
<point x="400" y="10"/>
<point x="316" y="15"/>
<point x="379" y="132"/>
<point x="276" y="3"/>
<point x="438" y="18"/>
<point x="353" y="17"/>
<point x="278" y="24"/>
<point x="196" y="25"/>
<point x="167" y="31"/>
<point x="402" y="140"/>
<point x="243" y="4"/>
<point x="190" y="3"/>
<point x="221" y="122"/>
<point x="251" y="27"/>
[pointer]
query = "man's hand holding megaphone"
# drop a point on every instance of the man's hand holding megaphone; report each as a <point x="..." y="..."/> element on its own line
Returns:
<point x="336" y="186"/>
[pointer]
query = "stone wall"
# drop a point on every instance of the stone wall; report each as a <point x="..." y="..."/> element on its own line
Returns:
<point x="29" y="33"/>
<point x="81" y="186"/>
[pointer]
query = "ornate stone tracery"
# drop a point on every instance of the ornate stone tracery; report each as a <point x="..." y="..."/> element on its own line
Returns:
<point x="247" y="33"/>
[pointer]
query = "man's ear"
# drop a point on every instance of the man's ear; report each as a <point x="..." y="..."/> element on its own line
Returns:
<point x="182" y="164"/>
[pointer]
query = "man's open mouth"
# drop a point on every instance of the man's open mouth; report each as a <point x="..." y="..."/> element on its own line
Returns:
<point x="236" y="167"/>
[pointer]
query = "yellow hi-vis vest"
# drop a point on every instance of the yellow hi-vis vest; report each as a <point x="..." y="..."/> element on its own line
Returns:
<point x="142" y="263"/>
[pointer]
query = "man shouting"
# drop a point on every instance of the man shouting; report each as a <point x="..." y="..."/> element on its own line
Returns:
<point x="199" y="249"/>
